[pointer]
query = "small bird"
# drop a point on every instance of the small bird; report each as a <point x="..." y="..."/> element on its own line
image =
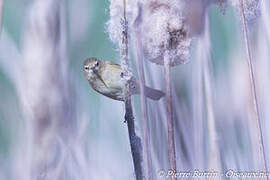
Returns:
<point x="106" y="78"/>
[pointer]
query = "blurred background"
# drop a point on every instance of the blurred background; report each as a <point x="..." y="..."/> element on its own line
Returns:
<point x="54" y="126"/>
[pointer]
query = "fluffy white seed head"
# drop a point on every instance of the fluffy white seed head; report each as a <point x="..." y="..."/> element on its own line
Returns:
<point x="251" y="8"/>
<point x="164" y="29"/>
<point x="116" y="14"/>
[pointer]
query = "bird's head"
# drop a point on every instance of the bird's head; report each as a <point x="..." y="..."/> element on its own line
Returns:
<point x="91" y="67"/>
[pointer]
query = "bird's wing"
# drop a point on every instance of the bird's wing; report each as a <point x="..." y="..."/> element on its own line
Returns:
<point x="117" y="83"/>
<point x="99" y="77"/>
<point x="113" y="65"/>
<point x="111" y="75"/>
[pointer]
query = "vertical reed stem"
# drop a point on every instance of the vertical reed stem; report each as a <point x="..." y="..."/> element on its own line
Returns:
<point x="170" y="122"/>
<point x="139" y="60"/>
<point x="214" y="158"/>
<point x="1" y="12"/>
<point x="198" y="106"/>
<point x="253" y="85"/>
<point x="135" y="141"/>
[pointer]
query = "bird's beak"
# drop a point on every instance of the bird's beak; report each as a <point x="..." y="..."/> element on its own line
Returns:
<point x="92" y="68"/>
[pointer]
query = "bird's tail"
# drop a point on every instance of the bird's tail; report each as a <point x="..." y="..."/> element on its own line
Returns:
<point x="153" y="94"/>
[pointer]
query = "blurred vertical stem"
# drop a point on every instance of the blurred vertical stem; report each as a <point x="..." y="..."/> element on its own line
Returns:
<point x="45" y="93"/>
<point x="214" y="158"/>
<point x="253" y="85"/>
<point x="1" y="12"/>
<point x="170" y="122"/>
<point x="198" y="106"/>
<point x="135" y="141"/>
<point x="139" y="60"/>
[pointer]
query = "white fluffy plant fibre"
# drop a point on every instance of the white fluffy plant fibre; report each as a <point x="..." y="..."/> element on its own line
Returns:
<point x="165" y="29"/>
<point x="163" y="25"/>
<point x="251" y="8"/>
<point x="116" y="14"/>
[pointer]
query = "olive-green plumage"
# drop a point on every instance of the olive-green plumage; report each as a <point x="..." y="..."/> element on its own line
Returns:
<point x="106" y="78"/>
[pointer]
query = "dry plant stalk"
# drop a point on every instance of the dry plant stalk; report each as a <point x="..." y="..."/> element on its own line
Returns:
<point x="44" y="95"/>
<point x="170" y="122"/>
<point x="1" y="12"/>
<point x="198" y="106"/>
<point x="138" y="57"/>
<point x="253" y="85"/>
<point x="214" y="160"/>
<point x="135" y="141"/>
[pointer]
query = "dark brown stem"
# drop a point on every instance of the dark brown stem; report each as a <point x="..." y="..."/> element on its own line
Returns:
<point x="253" y="84"/>
<point x="170" y="122"/>
<point x="135" y="141"/>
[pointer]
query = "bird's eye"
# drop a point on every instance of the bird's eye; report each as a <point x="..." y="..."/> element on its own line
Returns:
<point x="86" y="68"/>
<point x="97" y="64"/>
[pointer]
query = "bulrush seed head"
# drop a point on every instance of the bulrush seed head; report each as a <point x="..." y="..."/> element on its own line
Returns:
<point x="163" y="25"/>
<point x="164" y="29"/>
<point x="114" y="25"/>
<point x="251" y="8"/>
